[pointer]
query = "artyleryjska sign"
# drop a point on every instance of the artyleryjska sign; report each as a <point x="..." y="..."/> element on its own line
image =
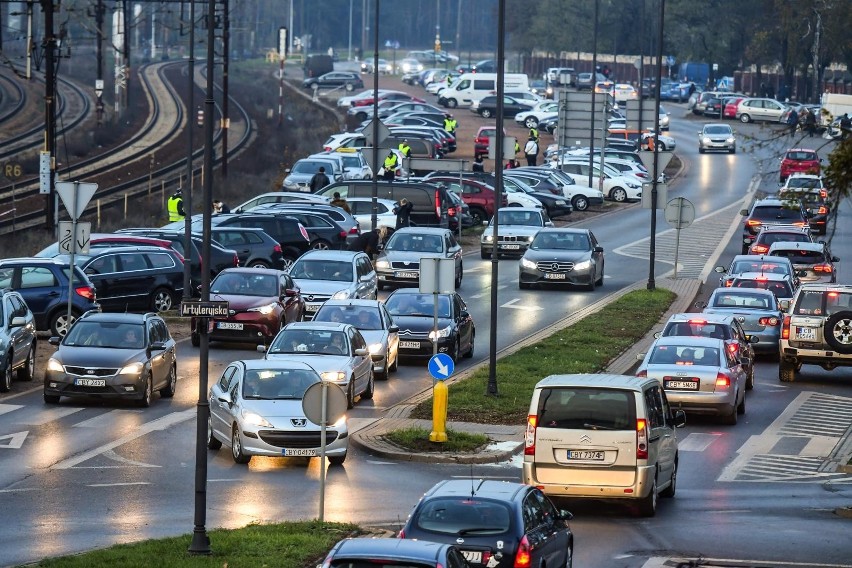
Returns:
<point x="204" y="309"/>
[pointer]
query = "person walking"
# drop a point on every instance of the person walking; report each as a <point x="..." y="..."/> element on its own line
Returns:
<point x="517" y="147"/>
<point x="531" y="151"/>
<point x="319" y="180"/>
<point x="810" y="122"/>
<point x="793" y="122"/>
<point x="450" y="124"/>
<point x="369" y="241"/>
<point x="340" y="202"/>
<point x="175" y="206"/>
<point x="219" y="207"/>
<point x="405" y="148"/>
<point x="403" y="213"/>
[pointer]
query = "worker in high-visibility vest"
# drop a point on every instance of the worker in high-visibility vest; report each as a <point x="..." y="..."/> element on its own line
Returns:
<point x="175" y="206"/>
<point x="391" y="163"/>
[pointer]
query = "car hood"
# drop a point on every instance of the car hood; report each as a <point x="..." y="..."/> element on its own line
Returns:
<point x="408" y="256"/>
<point x="98" y="356"/>
<point x="321" y="287"/>
<point x="289" y="408"/>
<point x="557" y="255"/>
<point x="422" y="324"/>
<point x="374" y="335"/>
<point x="241" y="303"/>
<point x="320" y="362"/>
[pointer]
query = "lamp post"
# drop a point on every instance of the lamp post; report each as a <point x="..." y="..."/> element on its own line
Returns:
<point x="655" y="174"/>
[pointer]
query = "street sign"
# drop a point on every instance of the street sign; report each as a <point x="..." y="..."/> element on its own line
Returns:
<point x="74" y="237"/>
<point x="282" y="42"/>
<point x="441" y="366"/>
<point x="663" y="161"/>
<point x="662" y="194"/>
<point x="75" y="196"/>
<point x="12" y="170"/>
<point x="384" y="132"/>
<point x="99" y="87"/>
<point x="335" y="403"/>
<point x="44" y="160"/>
<point x="680" y="212"/>
<point x="437" y="275"/>
<point x="508" y="147"/>
<point x="203" y="309"/>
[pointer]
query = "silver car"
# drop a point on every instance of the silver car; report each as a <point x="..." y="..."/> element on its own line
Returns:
<point x="256" y="409"/>
<point x="754" y="109"/>
<point x="698" y="374"/>
<point x="399" y="261"/>
<point x="372" y="319"/>
<point x="717" y="137"/>
<point x="299" y="176"/>
<point x="516" y="230"/>
<point x="757" y="310"/>
<point x="337" y="351"/>
<point x="333" y="274"/>
<point x="562" y="256"/>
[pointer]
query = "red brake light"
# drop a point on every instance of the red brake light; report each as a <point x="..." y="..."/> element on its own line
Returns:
<point x="86" y="291"/>
<point x="733" y="348"/>
<point x="326" y="148"/>
<point x="698" y="322"/>
<point x="824" y="268"/>
<point x="761" y="279"/>
<point x="823" y="193"/>
<point x="759" y="249"/>
<point x="723" y="380"/>
<point x="354" y="230"/>
<point x="641" y="439"/>
<point x="401" y="534"/>
<point x="832" y="294"/>
<point x="753" y="223"/>
<point x="342" y="234"/>
<point x="529" y="437"/>
<point x="523" y="558"/>
<point x="799" y="223"/>
<point x="785" y="328"/>
<point x="643" y="374"/>
<point x="770" y="321"/>
<point x="438" y="204"/>
<point x="277" y="248"/>
<point x="823" y="210"/>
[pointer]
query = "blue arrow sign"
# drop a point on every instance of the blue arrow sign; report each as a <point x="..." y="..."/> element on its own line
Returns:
<point x="441" y="366"/>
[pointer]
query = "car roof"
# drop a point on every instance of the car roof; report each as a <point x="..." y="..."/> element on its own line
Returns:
<point x="503" y="490"/>
<point x="273" y="364"/>
<point x="370" y="199"/>
<point x="691" y="340"/>
<point x="118" y="317"/>
<point x="58" y="260"/>
<point x="363" y="302"/>
<point x="522" y="209"/>
<point x="573" y="230"/>
<point x="318" y="325"/>
<point x="784" y="229"/>
<point x="251" y="270"/>
<point x="793" y="245"/>
<point x="389" y="548"/>
<point x="761" y="258"/>
<point x="331" y="254"/>
<point x="709" y="318"/>
<point x="596" y="380"/>
<point x="107" y="250"/>
<point x="735" y="291"/>
<point x="422" y="230"/>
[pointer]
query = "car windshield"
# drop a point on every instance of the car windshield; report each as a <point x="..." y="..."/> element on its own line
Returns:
<point x="741" y="266"/>
<point x="351" y="162"/>
<point x="244" y="284"/>
<point x="111" y="335"/>
<point x="797" y="256"/>
<point x="417" y="305"/>
<point x="555" y="240"/>
<point x="684" y="355"/>
<point x="412" y="242"/>
<point x="525" y="218"/>
<point x="772" y="212"/>
<point x="310" y="341"/>
<point x="276" y="384"/>
<point x="742" y="300"/>
<point x="463" y="516"/>
<point x="310" y="167"/>
<point x="362" y="317"/>
<point x="822" y="303"/>
<point x="718" y="130"/>
<point x="335" y="271"/>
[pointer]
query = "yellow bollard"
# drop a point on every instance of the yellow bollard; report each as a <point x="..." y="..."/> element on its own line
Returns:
<point x="439" y="413"/>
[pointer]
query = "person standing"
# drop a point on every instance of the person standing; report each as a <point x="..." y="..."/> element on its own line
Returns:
<point x="405" y="148"/>
<point x="340" y="202"/>
<point x="793" y="122"/>
<point x="534" y="134"/>
<point x="390" y="165"/>
<point x="403" y="213"/>
<point x="845" y="126"/>
<point x="450" y="124"/>
<point x="810" y="122"/>
<point x="478" y="166"/>
<point x="220" y="207"/>
<point x="175" y="206"/>
<point x="369" y="242"/>
<point x="319" y="180"/>
<point x="531" y="151"/>
<point x="517" y="147"/>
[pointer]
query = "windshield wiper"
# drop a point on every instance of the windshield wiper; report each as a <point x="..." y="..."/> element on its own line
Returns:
<point x="588" y="426"/>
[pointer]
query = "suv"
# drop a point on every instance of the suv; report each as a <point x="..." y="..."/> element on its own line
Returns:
<point x="254" y="247"/>
<point x="477" y="193"/>
<point x="779" y="234"/>
<point x="803" y="160"/>
<point x="430" y="201"/>
<point x="480" y="142"/>
<point x="816" y="330"/>
<point x="813" y="261"/>
<point x="762" y="264"/>
<point x="18" y="334"/>
<point x="769" y="212"/>
<point x="43" y="284"/>
<point x="811" y="191"/>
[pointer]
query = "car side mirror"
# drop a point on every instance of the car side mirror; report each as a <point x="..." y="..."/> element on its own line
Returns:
<point x="720" y="269"/>
<point x="835" y="259"/>
<point x="286" y="170"/>
<point x="18" y="322"/>
<point x="658" y="334"/>
<point x="744" y="212"/>
<point x="376" y="356"/>
<point x="464" y="314"/>
<point x="361" y="352"/>
<point x="261" y="348"/>
<point x="290" y="292"/>
<point x="393" y="329"/>
<point x="801" y="273"/>
<point x="679" y="419"/>
<point x="549" y="224"/>
<point x="55" y="340"/>
<point x="158" y="346"/>
<point x="640" y="356"/>
<point x="700" y="305"/>
<point x="785" y="305"/>
<point x="226" y="398"/>
<point x="565" y="515"/>
<point x="599" y="249"/>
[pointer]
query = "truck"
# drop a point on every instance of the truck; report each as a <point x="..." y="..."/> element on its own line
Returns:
<point x="834" y="105"/>
<point x="692" y="72"/>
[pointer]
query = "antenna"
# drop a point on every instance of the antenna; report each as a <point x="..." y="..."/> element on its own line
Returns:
<point x="472" y="489"/>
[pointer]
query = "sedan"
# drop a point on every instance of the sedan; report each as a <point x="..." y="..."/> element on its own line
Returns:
<point x="717" y="137"/>
<point x="414" y="313"/>
<point x="17" y="339"/>
<point x="698" y="374"/>
<point x="256" y="409"/>
<point x="516" y="229"/>
<point x="349" y="81"/>
<point x="372" y="319"/>
<point x="337" y="351"/>
<point x="541" y="110"/>
<point x="260" y="302"/>
<point x="813" y="262"/>
<point x="757" y="310"/>
<point x="399" y="261"/>
<point x="362" y="210"/>
<point x="338" y="275"/>
<point x="562" y="256"/>
<point x="487" y="107"/>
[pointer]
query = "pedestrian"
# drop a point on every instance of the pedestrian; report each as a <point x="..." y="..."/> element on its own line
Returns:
<point x="340" y="202"/>
<point x="319" y="180"/>
<point x="403" y="213"/>
<point x="810" y="122"/>
<point x="531" y="151"/>
<point x="793" y="122"/>
<point x="368" y="242"/>
<point x="845" y="126"/>
<point x="517" y="147"/>
<point x="405" y="148"/>
<point x="390" y="166"/>
<point x="219" y="207"/>
<point x="175" y="206"/>
<point x="450" y="124"/>
<point x="478" y="166"/>
<point x="534" y="134"/>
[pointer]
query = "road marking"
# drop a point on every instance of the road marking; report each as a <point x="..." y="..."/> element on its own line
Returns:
<point x="16" y="440"/>
<point x="118" y="484"/>
<point x="115" y="457"/>
<point x="44" y="416"/>
<point x="672" y="561"/>
<point x="19" y="490"/>
<point x="105" y="421"/>
<point x="511" y="304"/>
<point x="374" y="462"/>
<point x="4" y="408"/>
<point x="697" y="442"/>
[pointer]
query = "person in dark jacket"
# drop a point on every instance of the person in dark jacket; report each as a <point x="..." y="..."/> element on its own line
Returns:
<point x="403" y="213"/>
<point x="369" y="241"/>
<point x="478" y="165"/>
<point x="319" y="181"/>
<point x="793" y="122"/>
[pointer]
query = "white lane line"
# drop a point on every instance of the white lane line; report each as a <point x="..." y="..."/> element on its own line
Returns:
<point x="42" y="417"/>
<point x="16" y="440"/>
<point x="115" y="457"/>
<point x="105" y="421"/>
<point x="118" y="484"/>
<point x="526" y="307"/>
<point x="19" y="490"/>
<point x="4" y="408"/>
<point x="697" y="442"/>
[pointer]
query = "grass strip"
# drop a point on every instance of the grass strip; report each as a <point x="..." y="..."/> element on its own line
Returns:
<point x="417" y="439"/>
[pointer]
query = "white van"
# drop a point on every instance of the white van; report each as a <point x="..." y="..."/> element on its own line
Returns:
<point x="475" y="86"/>
<point x="601" y="436"/>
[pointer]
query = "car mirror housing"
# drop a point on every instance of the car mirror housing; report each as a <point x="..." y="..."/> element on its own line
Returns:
<point x="158" y="346"/>
<point x="361" y="352"/>
<point x="754" y="339"/>
<point x="393" y="329"/>
<point x="225" y="397"/>
<point x="18" y="322"/>
<point x="261" y="348"/>
<point x="54" y="340"/>
<point x="744" y="212"/>
<point x="290" y="292"/>
<point x="599" y="249"/>
<point x="679" y="419"/>
<point x="720" y="269"/>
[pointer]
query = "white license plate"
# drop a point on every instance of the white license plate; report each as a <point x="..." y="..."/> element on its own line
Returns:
<point x="585" y="455"/>
<point x="409" y="345"/>
<point x="560" y="202"/>
<point x="311" y="307"/>
<point x="406" y="274"/>
<point x="510" y="247"/>
<point x="472" y="556"/>
<point x="90" y="382"/>
<point x="229" y="325"/>
<point x="682" y="385"/>
<point x="806" y="333"/>
<point x="554" y="276"/>
<point x="299" y="452"/>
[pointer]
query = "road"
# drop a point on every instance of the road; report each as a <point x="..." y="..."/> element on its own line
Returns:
<point x="84" y="475"/>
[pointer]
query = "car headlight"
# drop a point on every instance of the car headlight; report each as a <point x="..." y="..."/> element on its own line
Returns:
<point x="341" y="422"/>
<point x="132" y="369"/>
<point x="254" y="419"/>
<point x="528" y="238"/>
<point x="335" y="376"/>
<point x="55" y="366"/>
<point x="265" y="310"/>
<point x="705" y="140"/>
<point x="376" y="348"/>
<point x="730" y="140"/>
<point x="487" y="238"/>
<point x="382" y="264"/>
<point x="632" y="185"/>
<point x="582" y="265"/>
<point x="341" y="295"/>
<point x="441" y="333"/>
<point x="527" y="263"/>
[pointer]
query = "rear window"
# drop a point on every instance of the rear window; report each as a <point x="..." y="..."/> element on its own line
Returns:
<point x="684" y="355"/>
<point x="801" y="156"/>
<point x="697" y="329"/>
<point x="586" y="408"/>
<point x="800" y="256"/>
<point x="780" y="289"/>
<point x="772" y="212"/>
<point x="452" y="515"/>
<point x="822" y="302"/>
<point x="743" y="300"/>
<point x="741" y="266"/>
<point x="769" y="238"/>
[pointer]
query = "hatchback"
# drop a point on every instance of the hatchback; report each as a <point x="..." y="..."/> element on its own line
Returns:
<point x="717" y="137"/>
<point x="758" y="310"/>
<point x="254" y="247"/>
<point x="414" y="313"/>
<point x="17" y="339"/>
<point x="778" y="234"/>
<point x="339" y="275"/>
<point x="495" y="524"/>
<point x="813" y="262"/>
<point x="768" y="212"/>
<point x="811" y="191"/>
<point x="348" y="80"/>
<point x="803" y="160"/>
<point x="393" y="553"/>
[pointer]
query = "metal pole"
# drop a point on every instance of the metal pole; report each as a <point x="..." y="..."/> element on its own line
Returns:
<point x="349" y="57"/>
<point x="50" y="109"/>
<point x="187" y="191"/>
<point x="594" y="82"/>
<point x="641" y="66"/>
<point x="226" y="119"/>
<point x="323" y="421"/>
<point x="99" y="22"/>
<point x="653" y="249"/>
<point x="374" y="212"/>
<point x="73" y="252"/>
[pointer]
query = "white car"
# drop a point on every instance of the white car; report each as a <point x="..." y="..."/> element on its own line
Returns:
<point x="616" y="186"/>
<point x="624" y="92"/>
<point x="354" y="163"/>
<point x="279" y="197"/>
<point x="542" y="110"/>
<point x="517" y="198"/>
<point x="348" y="101"/>
<point x="410" y="65"/>
<point x="344" y="140"/>
<point x="362" y="210"/>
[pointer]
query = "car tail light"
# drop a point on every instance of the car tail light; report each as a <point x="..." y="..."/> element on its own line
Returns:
<point x="304" y="232"/>
<point x="342" y="235"/>
<point x="354" y="230"/>
<point x="729" y="283"/>
<point x="451" y="211"/>
<point x="823" y="193"/>
<point x="86" y="292"/>
<point x="698" y="321"/>
<point x="753" y="223"/>
<point x="401" y="534"/>
<point x="277" y="248"/>
<point x="800" y="223"/>
<point x="823" y="210"/>
<point x="785" y="328"/>
<point x="326" y="148"/>
<point x="733" y="348"/>
<point x="523" y="558"/>
<point x="529" y="437"/>
<point x="438" y="204"/>
<point x="643" y="374"/>
<point x="236" y="260"/>
<point x="832" y="294"/>
<point x="824" y="268"/>
<point x="641" y="439"/>
<point x="759" y="249"/>
<point x="770" y="321"/>
<point x="723" y="380"/>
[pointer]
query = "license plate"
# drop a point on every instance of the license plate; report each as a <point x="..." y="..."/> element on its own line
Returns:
<point x="299" y="452"/>
<point x="682" y="385"/>
<point x="229" y="325"/>
<point x="560" y="202"/>
<point x="806" y="333"/>
<point x="90" y="382"/>
<point x="510" y="247"/>
<point x="472" y="556"/>
<point x="409" y="345"/>
<point x="311" y="307"/>
<point x="406" y="274"/>
<point x="585" y="455"/>
<point x="554" y="276"/>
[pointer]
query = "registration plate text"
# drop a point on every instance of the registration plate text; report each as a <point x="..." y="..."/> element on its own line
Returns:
<point x="682" y="385"/>
<point x="304" y="452"/>
<point x="311" y="307"/>
<point x="806" y="333"/>
<point x="229" y="325"/>
<point x="472" y="556"/>
<point x="406" y="274"/>
<point x="510" y="247"/>
<point x="554" y="276"/>
<point x="90" y="382"/>
<point x="409" y="345"/>
<point x="585" y="455"/>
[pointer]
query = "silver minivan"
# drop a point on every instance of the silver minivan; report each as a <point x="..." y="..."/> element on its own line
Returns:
<point x="600" y="436"/>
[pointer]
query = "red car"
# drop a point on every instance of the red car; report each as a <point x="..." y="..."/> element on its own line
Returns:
<point x="803" y="160"/>
<point x="730" y="108"/>
<point x="476" y="194"/>
<point x="480" y="143"/>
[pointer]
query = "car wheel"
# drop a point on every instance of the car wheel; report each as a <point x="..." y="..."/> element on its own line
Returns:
<point x="591" y="285"/>
<point x="51" y="399"/>
<point x="648" y="504"/>
<point x="750" y="379"/>
<point x="452" y="103"/>
<point x="741" y="406"/>
<point x="258" y="264"/>
<point x="213" y="443"/>
<point x="162" y="300"/>
<point x="744" y="118"/>
<point x="456" y="351"/>
<point x="320" y="244"/>
<point x="531" y="122"/>
<point x="669" y="491"/>
<point x="371" y="387"/>
<point x="60" y="323"/>
<point x="337" y="460"/>
<point x="838" y="332"/>
<point x="731" y="419"/>
<point x="478" y="215"/>
<point x="148" y="395"/>
<point x="732" y="151"/>
<point x="168" y="391"/>
<point x="27" y="372"/>
<point x="237" y="447"/>
<point x="523" y="285"/>
<point x="6" y="382"/>
<point x="579" y="203"/>
<point x="485" y="113"/>
<point x="395" y="366"/>
<point x="349" y="87"/>
<point x="786" y="371"/>
<point x="469" y="353"/>
<point x="618" y="194"/>
<point x="350" y="396"/>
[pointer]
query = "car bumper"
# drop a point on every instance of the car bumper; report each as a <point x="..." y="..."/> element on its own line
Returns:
<point x="767" y="340"/>
<point x="792" y="353"/>
<point x="641" y="486"/>
<point x="716" y="146"/>
<point x="573" y="277"/>
<point x="506" y="248"/>
<point x="394" y="277"/>
<point x="259" y="441"/>
<point x="115" y="386"/>
<point x="423" y="348"/>
<point x="714" y="403"/>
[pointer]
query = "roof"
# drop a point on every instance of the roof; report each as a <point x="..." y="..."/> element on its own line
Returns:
<point x="354" y="302"/>
<point x="690" y="340"/>
<point x="709" y="318"/>
<point x="596" y="380"/>
<point x="347" y="255"/>
<point x="784" y="229"/>
<point x="521" y="209"/>
<point x="318" y="325"/>
<point x="273" y="364"/>
<point x="564" y="230"/>
<point x="761" y="276"/>
<point x="117" y="317"/>
<point x="735" y="291"/>
<point x="792" y="245"/>
<point x="505" y="490"/>
<point x="251" y="270"/>
<point x="422" y="230"/>
<point x="389" y="548"/>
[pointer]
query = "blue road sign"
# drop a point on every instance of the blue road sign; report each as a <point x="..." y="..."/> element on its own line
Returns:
<point x="441" y="366"/>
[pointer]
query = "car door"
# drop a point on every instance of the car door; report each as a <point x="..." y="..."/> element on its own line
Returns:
<point x="745" y="347"/>
<point x="37" y="285"/>
<point x="362" y="364"/>
<point x="220" y="412"/>
<point x="597" y="256"/>
<point x="136" y="280"/>
<point x="773" y="110"/>
<point x="454" y="251"/>
<point x="159" y="359"/>
<point x="22" y="337"/>
<point x="237" y="241"/>
<point x="368" y="279"/>
<point x="292" y="303"/>
<point x="737" y="370"/>
<point x="538" y="530"/>
<point x="103" y="272"/>
<point x="554" y="530"/>
<point x="393" y="336"/>
<point x="463" y="321"/>
<point x="662" y="441"/>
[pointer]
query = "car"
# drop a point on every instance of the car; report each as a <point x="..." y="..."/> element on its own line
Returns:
<point x="720" y="326"/>
<point x="777" y="234"/>
<point x="481" y="141"/>
<point x="714" y="107"/>
<point x="813" y="262"/>
<point x="348" y="80"/>
<point x="362" y="210"/>
<point x="545" y="177"/>
<point x="353" y="162"/>
<point x="414" y="313"/>
<point x="484" y="66"/>
<point x="476" y="192"/>
<point x="714" y="136"/>
<point x="802" y="160"/>
<point x="517" y="227"/>
<point x="541" y="88"/>
<point x="758" y="311"/>
<point x="598" y="436"/>
<point x="43" y="284"/>
<point x="399" y="261"/>
<point x="553" y="205"/>
<point x="260" y="302"/>
<point x="501" y="524"/>
<point x="340" y="275"/>
<point x="393" y="553"/>
<point x="816" y="330"/>
<point x="256" y="410"/>
<point x="487" y="106"/>
<point x="410" y="65"/>
<point x="616" y="186"/>
<point x="254" y="247"/>
<point x="328" y="227"/>
<point x="299" y="177"/>
<point x="667" y="143"/>
<point x="562" y="256"/>
<point x="779" y="284"/>
<point x="811" y="191"/>
<point x="664" y="118"/>
<point x="113" y="355"/>
<point x="431" y="203"/>
<point x="761" y="264"/>
<point x="278" y="197"/>
<point x="385" y="66"/>
<point x="698" y="374"/>
<point x="337" y="351"/>
<point x="729" y="108"/>
<point x="768" y="212"/>
<point x="585" y="81"/>
<point x="542" y="109"/>
<point x="548" y="124"/>
<point x="372" y="319"/>
<point x="175" y="233"/>
<point x="102" y="240"/>
<point x="18" y="340"/>
<point x="759" y="109"/>
<point x="624" y="92"/>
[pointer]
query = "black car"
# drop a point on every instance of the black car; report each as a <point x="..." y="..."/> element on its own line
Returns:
<point x="555" y="205"/>
<point x="548" y="124"/>
<point x="134" y="278"/>
<point x="495" y="524"/>
<point x="324" y="232"/>
<point x="346" y="79"/>
<point x="714" y="108"/>
<point x="254" y="247"/>
<point x="484" y="66"/>
<point x="17" y="339"/>
<point x="413" y="312"/>
<point x="769" y="212"/>
<point x="393" y="553"/>
<point x="539" y="180"/>
<point x="430" y="202"/>
<point x="43" y="284"/>
<point x="511" y="106"/>
<point x="122" y="355"/>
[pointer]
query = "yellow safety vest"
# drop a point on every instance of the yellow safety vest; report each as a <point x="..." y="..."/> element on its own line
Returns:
<point x="390" y="162"/>
<point x="174" y="214"/>
<point x="534" y="133"/>
<point x="405" y="149"/>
